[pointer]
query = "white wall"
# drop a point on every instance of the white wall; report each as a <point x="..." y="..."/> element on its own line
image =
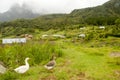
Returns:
<point x="13" y="40"/>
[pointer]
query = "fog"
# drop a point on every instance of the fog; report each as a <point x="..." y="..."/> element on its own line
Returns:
<point x="50" y="6"/>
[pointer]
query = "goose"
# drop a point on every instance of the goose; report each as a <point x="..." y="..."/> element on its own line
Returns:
<point x="50" y="65"/>
<point x="24" y="68"/>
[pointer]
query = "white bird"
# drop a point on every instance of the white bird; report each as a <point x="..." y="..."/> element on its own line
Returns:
<point x="24" y="68"/>
<point x="50" y="65"/>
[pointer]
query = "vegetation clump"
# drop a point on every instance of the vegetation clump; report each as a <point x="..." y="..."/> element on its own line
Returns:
<point x="14" y="55"/>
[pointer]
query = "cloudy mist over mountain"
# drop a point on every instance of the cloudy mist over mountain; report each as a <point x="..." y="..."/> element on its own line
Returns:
<point x="51" y="6"/>
<point x="16" y="9"/>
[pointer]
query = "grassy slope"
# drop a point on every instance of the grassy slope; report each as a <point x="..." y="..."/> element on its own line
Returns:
<point x="78" y="63"/>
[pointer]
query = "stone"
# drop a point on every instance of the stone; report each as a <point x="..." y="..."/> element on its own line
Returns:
<point x="2" y="69"/>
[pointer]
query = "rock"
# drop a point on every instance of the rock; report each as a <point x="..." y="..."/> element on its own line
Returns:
<point x="2" y="69"/>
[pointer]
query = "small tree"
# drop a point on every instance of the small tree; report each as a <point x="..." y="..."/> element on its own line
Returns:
<point x="117" y="21"/>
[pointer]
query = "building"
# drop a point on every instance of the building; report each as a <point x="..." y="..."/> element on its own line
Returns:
<point x="13" y="40"/>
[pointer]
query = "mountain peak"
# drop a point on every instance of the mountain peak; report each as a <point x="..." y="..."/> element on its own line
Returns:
<point x="17" y="7"/>
<point x="18" y="11"/>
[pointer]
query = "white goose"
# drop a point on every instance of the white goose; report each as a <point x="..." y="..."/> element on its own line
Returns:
<point x="50" y="65"/>
<point x="24" y="68"/>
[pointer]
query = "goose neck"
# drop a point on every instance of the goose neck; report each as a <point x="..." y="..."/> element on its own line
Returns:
<point x="26" y="63"/>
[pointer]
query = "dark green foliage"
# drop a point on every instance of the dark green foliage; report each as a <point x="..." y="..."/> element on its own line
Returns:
<point x="117" y="22"/>
<point x="100" y="15"/>
<point x="9" y="76"/>
<point x="114" y="31"/>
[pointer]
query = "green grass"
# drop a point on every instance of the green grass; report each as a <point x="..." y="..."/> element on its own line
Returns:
<point x="75" y="61"/>
<point x="14" y="54"/>
<point x="78" y="62"/>
<point x="92" y="62"/>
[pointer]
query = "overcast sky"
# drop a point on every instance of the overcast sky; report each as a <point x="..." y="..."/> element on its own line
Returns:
<point x="52" y="6"/>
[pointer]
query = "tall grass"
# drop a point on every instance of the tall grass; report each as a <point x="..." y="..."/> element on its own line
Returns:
<point x="14" y="55"/>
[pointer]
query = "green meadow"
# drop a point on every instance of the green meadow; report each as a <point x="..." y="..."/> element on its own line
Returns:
<point x="77" y="58"/>
<point x="85" y="41"/>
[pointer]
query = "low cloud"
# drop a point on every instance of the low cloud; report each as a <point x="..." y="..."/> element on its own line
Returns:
<point x="51" y="6"/>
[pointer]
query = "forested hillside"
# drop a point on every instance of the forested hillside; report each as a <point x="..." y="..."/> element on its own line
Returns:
<point x="103" y="14"/>
<point x="106" y="14"/>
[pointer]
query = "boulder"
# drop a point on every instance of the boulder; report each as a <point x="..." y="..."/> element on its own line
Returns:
<point x="2" y="69"/>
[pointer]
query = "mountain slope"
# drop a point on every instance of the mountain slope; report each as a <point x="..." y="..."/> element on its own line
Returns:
<point x="16" y="12"/>
<point x="110" y="9"/>
<point x="105" y="14"/>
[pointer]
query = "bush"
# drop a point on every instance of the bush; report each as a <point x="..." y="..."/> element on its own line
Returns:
<point x="0" y="41"/>
<point x="9" y="76"/>
<point x="14" y="55"/>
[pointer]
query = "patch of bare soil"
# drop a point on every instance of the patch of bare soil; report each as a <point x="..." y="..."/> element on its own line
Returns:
<point x="65" y="63"/>
<point x="51" y="77"/>
<point x="81" y="76"/>
<point x="115" y="54"/>
<point x="117" y="73"/>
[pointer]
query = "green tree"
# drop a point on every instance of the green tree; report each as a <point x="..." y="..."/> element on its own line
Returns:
<point x="117" y="21"/>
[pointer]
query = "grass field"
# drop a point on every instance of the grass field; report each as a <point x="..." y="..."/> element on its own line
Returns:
<point x="77" y="58"/>
<point x="78" y="62"/>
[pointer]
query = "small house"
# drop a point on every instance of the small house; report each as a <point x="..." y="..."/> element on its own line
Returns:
<point x="81" y="35"/>
<point x="27" y="36"/>
<point x="82" y="28"/>
<point x="45" y="35"/>
<point x="102" y="27"/>
<point x="13" y="40"/>
<point x="58" y="36"/>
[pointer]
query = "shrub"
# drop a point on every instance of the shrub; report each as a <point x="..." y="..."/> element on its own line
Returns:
<point x="16" y="53"/>
<point x="9" y="76"/>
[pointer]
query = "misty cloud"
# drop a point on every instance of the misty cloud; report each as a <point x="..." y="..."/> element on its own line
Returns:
<point x="51" y="6"/>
